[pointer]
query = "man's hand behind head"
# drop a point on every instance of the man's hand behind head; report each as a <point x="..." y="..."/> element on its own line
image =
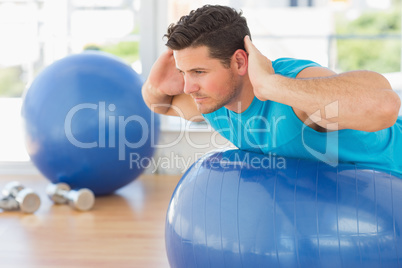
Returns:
<point x="164" y="77"/>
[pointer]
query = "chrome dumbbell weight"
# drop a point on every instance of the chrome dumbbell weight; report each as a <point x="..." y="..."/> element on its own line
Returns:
<point x="17" y="197"/>
<point x="61" y="193"/>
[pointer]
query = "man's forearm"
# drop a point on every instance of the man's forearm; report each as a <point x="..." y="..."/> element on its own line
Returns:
<point x="360" y="100"/>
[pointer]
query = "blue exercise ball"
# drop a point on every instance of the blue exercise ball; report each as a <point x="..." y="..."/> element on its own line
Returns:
<point x="241" y="209"/>
<point x="86" y="123"/>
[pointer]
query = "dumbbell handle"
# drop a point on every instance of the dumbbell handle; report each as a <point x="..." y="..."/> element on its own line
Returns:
<point x="60" y="196"/>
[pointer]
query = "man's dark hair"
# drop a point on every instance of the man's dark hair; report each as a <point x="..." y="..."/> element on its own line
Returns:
<point x="222" y="29"/>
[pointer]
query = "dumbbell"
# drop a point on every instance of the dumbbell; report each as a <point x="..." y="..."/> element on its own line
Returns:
<point x="61" y="193"/>
<point x="17" y="197"/>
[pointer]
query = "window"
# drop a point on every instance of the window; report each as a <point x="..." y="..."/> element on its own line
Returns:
<point x="35" y="33"/>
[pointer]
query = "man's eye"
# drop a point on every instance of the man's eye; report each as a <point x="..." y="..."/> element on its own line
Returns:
<point x="199" y="72"/>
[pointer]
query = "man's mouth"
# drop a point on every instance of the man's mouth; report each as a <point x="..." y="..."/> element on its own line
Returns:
<point x="199" y="99"/>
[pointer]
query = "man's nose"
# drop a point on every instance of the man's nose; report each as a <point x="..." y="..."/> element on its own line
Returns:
<point x="190" y="86"/>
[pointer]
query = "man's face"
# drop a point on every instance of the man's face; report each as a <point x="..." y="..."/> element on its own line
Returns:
<point x="206" y="79"/>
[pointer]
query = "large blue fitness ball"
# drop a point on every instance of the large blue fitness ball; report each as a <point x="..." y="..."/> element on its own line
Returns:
<point x="238" y="209"/>
<point x="86" y="123"/>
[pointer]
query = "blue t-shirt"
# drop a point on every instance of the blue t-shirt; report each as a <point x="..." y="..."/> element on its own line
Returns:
<point x="270" y="127"/>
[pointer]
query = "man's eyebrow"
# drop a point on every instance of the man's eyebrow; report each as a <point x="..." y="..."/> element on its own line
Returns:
<point x="194" y="69"/>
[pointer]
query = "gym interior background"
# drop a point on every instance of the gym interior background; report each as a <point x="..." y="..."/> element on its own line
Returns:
<point x="352" y="34"/>
<point x="340" y="34"/>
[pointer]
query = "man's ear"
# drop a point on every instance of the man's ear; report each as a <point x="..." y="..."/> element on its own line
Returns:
<point x="241" y="61"/>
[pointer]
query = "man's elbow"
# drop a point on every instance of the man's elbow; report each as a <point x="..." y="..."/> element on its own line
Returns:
<point x="390" y="111"/>
<point x="392" y="103"/>
<point x="151" y="101"/>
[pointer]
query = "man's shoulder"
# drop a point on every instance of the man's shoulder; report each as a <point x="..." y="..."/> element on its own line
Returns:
<point x="290" y="67"/>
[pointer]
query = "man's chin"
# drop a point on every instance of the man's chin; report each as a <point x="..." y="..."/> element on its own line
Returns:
<point x="207" y="110"/>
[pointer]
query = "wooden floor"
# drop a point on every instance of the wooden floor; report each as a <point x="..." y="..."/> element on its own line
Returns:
<point x="122" y="230"/>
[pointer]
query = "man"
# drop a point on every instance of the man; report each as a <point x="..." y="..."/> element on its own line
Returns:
<point x="294" y="108"/>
